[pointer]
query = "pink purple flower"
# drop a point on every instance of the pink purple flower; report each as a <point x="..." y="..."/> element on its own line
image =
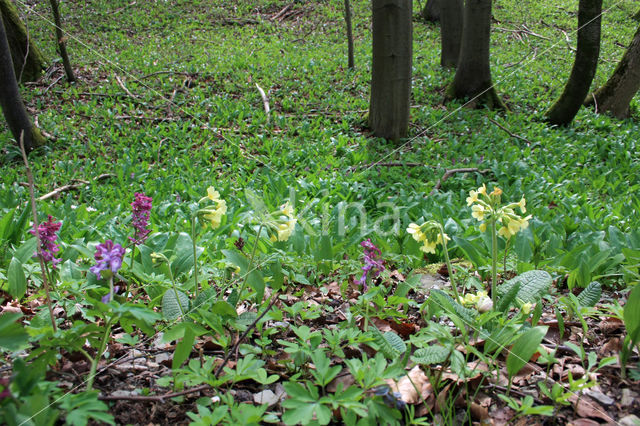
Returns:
<point x="140" y="217"/>
<point x="372" y="263"/>
<point x="109" y="257"/>
<point x="47" y="234"/>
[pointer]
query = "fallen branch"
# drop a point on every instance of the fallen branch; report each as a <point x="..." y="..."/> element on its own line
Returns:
<point x="513" y="135"/>
<point x="121" y="84"/>
<point x="79" y="184"/>
<point x="153" y="74"/>
<point x="265" y="101"/>
<point x="448" y="173"/>
<point x="282" y="12"/>
<point x="152" y="398"/>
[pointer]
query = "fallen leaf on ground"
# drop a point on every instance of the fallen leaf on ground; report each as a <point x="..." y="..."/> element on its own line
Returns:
<point x="413" y="387"/>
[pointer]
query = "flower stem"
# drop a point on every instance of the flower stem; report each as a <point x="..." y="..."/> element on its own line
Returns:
<point x="494" y="260"/>
<point x="449" y="266"/>
<point x="96" y="360"/>
<point x="133" y="251"/>
<point x="253" y="253"/>
<point x="195" y="255"/>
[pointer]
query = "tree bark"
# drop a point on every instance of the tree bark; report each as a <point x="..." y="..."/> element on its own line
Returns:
<point x="432" y="10"/>
<point x="347" y="19"/>
<point x="391" y="68"/>
<point x="451" y="22"/>
<point x="616" y="94"/>
<point x="584" y="66"/>
<point x="28" y="61"/>
<point x="473" y="75"/>
<point x="62" y="47"/>
<point x="12" y="106"/>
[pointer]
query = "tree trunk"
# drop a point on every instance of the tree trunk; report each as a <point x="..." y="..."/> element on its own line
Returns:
<point x="62" y="47"/>
<point x="616" y="94"/>
<point x="584" y="66"/>
<point x="473" y="75"/>
<point x="347" y="19"/>
<point x="431" y="11"/>
<point x="20" y="45"/>
<point x="11" y="102"/>
<point x="391" y="68"/>
<point x="451" y="32"/>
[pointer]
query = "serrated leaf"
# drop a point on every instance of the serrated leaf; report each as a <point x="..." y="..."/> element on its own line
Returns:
<point x="431" y="355"/>
<point x="533" y="285"/>
<point x="396" y="342"/>
<point x="17" y="280"/>
<point x="171" y="305"/>
<point x="205" y="299"/>
<point x="590" y="295"/>
<point x="524" y="348"/>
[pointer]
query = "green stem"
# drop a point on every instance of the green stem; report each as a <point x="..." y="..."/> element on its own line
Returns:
<point x="449" y="266"/>
<point x="195" y="255"/>
<point x="253" y="253"/>
<point x="175" y="290"/>
<point x="96" y="360"/>
<point x="133" y="250"/>
<point x="506" y="249"/>
<point x="494" y="260"/>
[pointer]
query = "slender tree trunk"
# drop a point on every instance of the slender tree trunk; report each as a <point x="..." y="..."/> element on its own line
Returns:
<point x="432" y="10"/>
<point x="12" y="106"/>
<point x="391" y="68"/>
<point x="473" y="74"/>
<point x="61" y="41"/>
<point x="347" y="19"/>
<point x="451" y="32"/>
<point x="28" y="61"/>
<point x="584" y="66"/>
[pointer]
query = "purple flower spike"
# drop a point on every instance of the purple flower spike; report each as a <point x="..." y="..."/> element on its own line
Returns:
<point x="109" y="257"/>
<point x="140" y="217"/>
<point x="372" y="262"/>
<point x="48" y="247"/>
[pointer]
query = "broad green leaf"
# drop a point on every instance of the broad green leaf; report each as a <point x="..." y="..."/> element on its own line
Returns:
<point x="470" y="251"/>
<point x="533" y="285"/>
<point x="237" y="258"/>
<point x="524" y="348"/>
<point x="256" y="281"/>
<point x="431" y="355"/>
<point x="631" y="315"/>
<point x="590" y="295"/>
<point x="17" y="280"/>
<point x="396" y="342"/>
<point x="184" y="262"/>
<point x="13" y="337"/>
<point x="224" y="308"/>
<point x="171" y="304"/>
<point x="509" y="297"/>
<point x="27" y="250"/>
<point x="5" y="222"/>
<point x="183" y="349"/>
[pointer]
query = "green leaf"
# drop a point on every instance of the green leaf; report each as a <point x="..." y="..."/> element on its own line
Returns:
<point x="631" y="315"/>
<point x="225" y="309"/>
<point x="256" y="281"/>
<point x="17" y="280"/>
<point x="533" y="285"/>
<point x="84" y="406"/>
<point x="183" y="349"/>
<point x="184" y="262"/>
<point x="237" y="258"/>
<point x="13" y="337"/>
<point x="171" y="304"/>
<point x="510" y="297"/>
<point x="396" y="342"/>
<point x="431" y="355"/>
<point x="524" y="348"/>
<point x="590" y="295"/>
<point x="27" y="250"/>
<point x="470" y="251"/>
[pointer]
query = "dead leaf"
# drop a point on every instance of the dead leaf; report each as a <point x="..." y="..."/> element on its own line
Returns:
<point x="413" y="387"/>
<point x="587" y="407"/>
<point x="345" y="379"/>
<point x="583" y="422"/>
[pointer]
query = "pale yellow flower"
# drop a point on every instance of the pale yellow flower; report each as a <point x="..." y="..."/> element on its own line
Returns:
<point x="483" y="227"/>
<point x="213" y="194"/>
<point x="526" y="308"/>
<point x="478" y="211"/>
<point x="496" y="191"/>
<point x="416" y="232"/>
<point x="287" y="209"/>
<point x="429" y="246"/>
<point x="215" y="215"/>
<point x="483" y="189"/>
<point x="286" y="229"/>
<point x="472" y="198"/>
<point x="522" y="203"/>
<point x="469" y="299"/>
<point x="524" y="222"/>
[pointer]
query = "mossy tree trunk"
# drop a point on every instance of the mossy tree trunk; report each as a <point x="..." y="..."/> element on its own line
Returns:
<point x="616" y="94"/>
<point x="12" y="106"/>
<point x="62" y="46"/>
<point x="391" y="68"/>
<point x="451" y="32"/>
<point x="473" y="75"/>
<point x="432" y="10"/>
<point x="28" y="61"/>
<point x="566" y="107"/>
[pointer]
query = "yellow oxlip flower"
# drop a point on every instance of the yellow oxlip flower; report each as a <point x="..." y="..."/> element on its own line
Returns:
<point x="416" y="232"/>
<point x="287" y="209"/>
<point x="522" y="203"/>
<point x="483" y="227"/>
<point x="496" y="191"/>
<point x="478" y="211"/>
<point x="469" y="299"/>
<point x="483" y="189"/>
<point x="524" y="222"/>
<point x="213" y="194"/>
<point x="472" y="198"/>
<point x="286" y="229"/>
<point x="526" y="308"/>
<point x="429" y="246"/>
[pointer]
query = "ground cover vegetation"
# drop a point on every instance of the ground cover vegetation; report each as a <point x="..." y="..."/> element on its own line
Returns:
<point x="206" y="260"/>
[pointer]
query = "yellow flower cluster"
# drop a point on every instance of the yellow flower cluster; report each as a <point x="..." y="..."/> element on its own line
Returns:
<point x="286" y="226"/>
<point x="428" y="234"/>
<point x="481" y="301"/>
<point x="486" y="206"/>
<point x="214" y="213"/>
